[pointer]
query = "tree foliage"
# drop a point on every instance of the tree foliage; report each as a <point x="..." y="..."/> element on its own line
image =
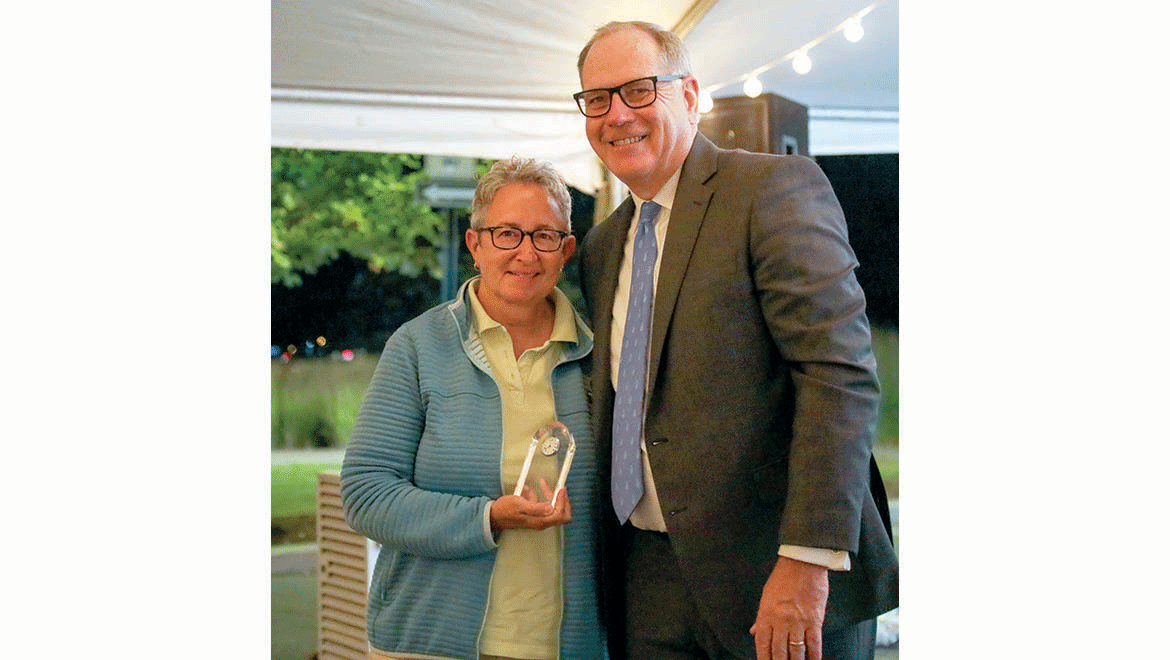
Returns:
<point x="324" y="202"/>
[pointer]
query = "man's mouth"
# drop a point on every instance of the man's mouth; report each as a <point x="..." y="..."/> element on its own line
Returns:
<point x="629" y="140"/>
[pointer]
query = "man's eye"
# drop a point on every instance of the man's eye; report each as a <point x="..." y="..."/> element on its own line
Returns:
<point x="638" y="92"/>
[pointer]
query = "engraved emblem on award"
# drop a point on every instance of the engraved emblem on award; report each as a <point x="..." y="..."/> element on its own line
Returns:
<point x="550" y="445"/>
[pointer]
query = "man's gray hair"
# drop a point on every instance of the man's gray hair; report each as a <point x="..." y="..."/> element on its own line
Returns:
<point x="675" y="57"/>
<point x="521" y="170"/>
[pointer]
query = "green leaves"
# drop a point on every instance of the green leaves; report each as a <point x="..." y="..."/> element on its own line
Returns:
<point x="327" y="201"/>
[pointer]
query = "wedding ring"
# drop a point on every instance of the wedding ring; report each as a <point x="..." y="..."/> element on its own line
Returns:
<point x="796" y="643"/>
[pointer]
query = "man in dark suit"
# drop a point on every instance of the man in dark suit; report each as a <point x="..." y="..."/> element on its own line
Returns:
<point x="733" y="382"/>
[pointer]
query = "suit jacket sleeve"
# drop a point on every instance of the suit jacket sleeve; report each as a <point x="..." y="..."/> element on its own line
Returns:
<point x="815" y="312"/>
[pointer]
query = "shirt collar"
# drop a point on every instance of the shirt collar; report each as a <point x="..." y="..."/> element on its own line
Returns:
<point x="480" y="321"/>
<point x="564" y="328"/>
<point x="665" y="195"/>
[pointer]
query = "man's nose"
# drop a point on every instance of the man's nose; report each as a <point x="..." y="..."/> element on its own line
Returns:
<point x="619" y="112"/>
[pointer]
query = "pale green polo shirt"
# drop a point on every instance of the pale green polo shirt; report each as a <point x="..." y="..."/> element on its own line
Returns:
<point x="525" y="601"/>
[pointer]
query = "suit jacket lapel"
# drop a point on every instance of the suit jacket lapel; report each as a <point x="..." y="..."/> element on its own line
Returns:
<point x="691" y="199"/>
<point x="612" y="246"/>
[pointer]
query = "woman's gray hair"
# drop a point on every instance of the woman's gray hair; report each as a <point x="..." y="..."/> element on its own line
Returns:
<point x="521" y="170"/>
<point x="675" y="57"/>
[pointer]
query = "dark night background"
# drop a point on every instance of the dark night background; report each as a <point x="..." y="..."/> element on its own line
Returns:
<point x="354" y="307"/>
<point x="867" y="187"/>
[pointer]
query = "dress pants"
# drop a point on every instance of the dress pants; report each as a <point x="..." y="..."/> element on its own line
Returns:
<point x="664" y="623"/>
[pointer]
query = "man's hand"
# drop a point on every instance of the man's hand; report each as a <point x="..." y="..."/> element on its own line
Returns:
<point x="792" y="609"/>
<point x="528" y="512"/>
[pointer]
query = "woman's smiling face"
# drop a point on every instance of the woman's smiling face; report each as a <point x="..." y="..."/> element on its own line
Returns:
<point x="522" y="276"/>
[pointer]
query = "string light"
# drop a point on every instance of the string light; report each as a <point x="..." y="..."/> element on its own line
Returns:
<point x="752" y="87"/>
<point x="853" y="30"/>
<point x="801" y="61"/>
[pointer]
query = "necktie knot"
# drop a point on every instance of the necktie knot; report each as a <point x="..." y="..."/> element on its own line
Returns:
<point x="649" y="214"/>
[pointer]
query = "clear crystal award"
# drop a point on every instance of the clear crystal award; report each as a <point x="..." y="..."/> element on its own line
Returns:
<point x="550" y="452"/>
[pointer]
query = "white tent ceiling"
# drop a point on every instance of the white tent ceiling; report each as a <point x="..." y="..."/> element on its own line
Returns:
<point x="489" y="78"/>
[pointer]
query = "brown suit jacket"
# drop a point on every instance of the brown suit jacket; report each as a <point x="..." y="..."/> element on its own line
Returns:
<point x="763" y="390"/>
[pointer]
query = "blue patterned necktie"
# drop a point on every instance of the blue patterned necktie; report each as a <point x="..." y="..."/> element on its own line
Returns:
<point x="626" y="474"/>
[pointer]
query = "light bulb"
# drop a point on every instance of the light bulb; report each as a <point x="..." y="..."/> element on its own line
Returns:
<point x="752" y="86"/>
<point x="801" y="64"/>
<point x="853" y="30"/>
<point x="705" y="101"/>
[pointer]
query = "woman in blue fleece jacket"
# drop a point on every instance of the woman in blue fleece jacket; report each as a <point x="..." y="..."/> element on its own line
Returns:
<point x="466" y="570"/>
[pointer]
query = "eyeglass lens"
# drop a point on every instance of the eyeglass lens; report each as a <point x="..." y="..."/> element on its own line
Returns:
<point x="509" y="238"/>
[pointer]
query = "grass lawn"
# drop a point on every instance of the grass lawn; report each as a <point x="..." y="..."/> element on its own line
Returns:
<point x="885" y="350"/>
<point x="294" y="487"/>
<point x="887" y="460"/>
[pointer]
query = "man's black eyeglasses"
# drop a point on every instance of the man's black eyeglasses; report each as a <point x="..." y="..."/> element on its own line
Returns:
<point x="509" y="238"/>
<point x="635" y="94"/>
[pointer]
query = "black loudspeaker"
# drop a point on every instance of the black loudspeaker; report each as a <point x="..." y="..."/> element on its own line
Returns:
<point x="767" y="124"/>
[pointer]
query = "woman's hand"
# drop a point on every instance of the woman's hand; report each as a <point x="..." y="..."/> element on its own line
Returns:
<point x="526" y="511"/>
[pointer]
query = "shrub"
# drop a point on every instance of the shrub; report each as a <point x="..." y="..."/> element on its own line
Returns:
<point x="315" y="400"/>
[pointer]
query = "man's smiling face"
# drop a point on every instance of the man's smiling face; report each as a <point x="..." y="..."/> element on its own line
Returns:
<point x="643" y="147"/>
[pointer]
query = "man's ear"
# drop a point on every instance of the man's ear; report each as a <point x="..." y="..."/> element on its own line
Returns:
<point x="691" y="96"/>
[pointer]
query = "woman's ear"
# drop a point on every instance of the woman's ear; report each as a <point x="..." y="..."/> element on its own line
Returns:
<point x="472" y="240"/>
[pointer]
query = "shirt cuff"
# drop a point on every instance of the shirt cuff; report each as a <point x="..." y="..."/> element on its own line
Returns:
<point x="834" y="560"/>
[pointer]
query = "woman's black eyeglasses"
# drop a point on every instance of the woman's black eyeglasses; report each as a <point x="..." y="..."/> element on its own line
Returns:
<point x="509" y="238"/>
